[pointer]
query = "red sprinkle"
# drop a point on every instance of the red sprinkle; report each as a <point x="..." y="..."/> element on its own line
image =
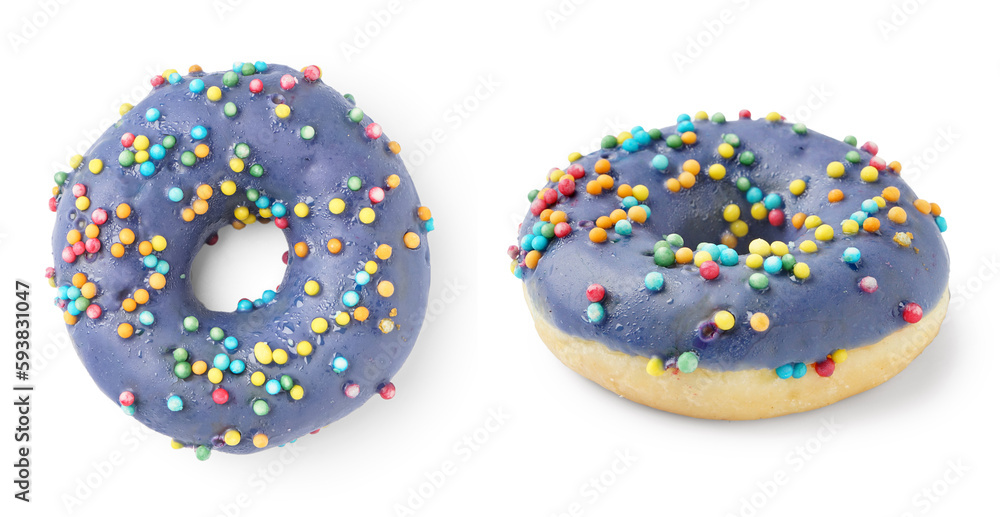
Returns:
<point x="776" y="217"/>
<point x="256" y="86"/>
<point x="126" y="398"/>
<point x="387" y="390"/>
<point x="868" y="284"/>
<point x="870" y="147"/>
<point x="563" y="229"/>
<point x="220" y="396"/>
<point x="284" y="257"/>
<point x="352" y="390"/>
<point x="92" y="245"/>
<point x="373" y="131"/>
<point x="127" y="139"/>
<point x="567" y="186"/>
<point x="709" y="270"/>
<point x="68" y="255"/>
<point x="825" y="367"/>
<point x="376" y="195"/>
<point x="287" y="82"/>
<point x="79" y="190"/>
<point x="744" y="114"/>
<point x="877" y="162"/>
<point x="212" y="239"/>
<point x="79" y="248"/>
<point x="576" y="170"/>
<point x="537" y="206"/>
<point x="94" y="311"/>
<point x="551" y="196"/>
<point x="99" y="216"/>
<point x="157" y="80"/>
<point x="281" y="222"/>
<point x="595" y="292"/>
<point x="53" y="203"/>
<point x="312" y="73"/>
<point x="912" y="312"/>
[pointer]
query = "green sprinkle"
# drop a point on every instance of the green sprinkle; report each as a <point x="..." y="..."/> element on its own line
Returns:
<point x="188" y="158"/>
<point x="180" y="354"/>
<point x="609" y="142"/>
<point x="190" y="324"/>
<point x="663" y="256"/>
<point x="81" y="303"/>
<point x="217" y="334"/>
<point x="687" y="362"/>
<point x="548" y="231"/>
<point x="253" y="195"/>
<point x="354" y="183"/>
<point x="850" y="140"/>
<point x="718" y="118"/>
<point x="674" y="141"/>
<point x="675" y="240"/>
<point x="731" y="139"/>
<point x="60" y="178"/>
<point x="799" y="128"/>
<point x="248" y="69"/>
<point x="241" y="150"/>
<point x="747" y="158"/>
<point x="256" y="170"/>
<point x="260" y="407"/>
<point x="532" y="195"/>
<point x="655" y="133"/>
<point x="125" y="158"/>
<point x="743" y="184"/>
<point x="169" y="141"/>
<point x="286" y="382"/>
<point x="202" y="452"/>
<point x="230" y="109"/>
<point x="350" y="98"/>
<point x="307" y="132"/>
<point x="230" y="79"/>
<point x="182" y="370"/>
<point x="787" y="262"/>
<point x="758" y="281"/>
<point x="852" y="156"/>
<point x="355" y="114"/>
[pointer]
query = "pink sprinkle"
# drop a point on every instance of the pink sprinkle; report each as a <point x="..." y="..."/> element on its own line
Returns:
<point x="512" y="251"/>
<point x="94" y="311"/>
<point x="68" y="255"/>
<point x="877" y="162"/>
<point x="576" y="170"/>
<point x="551" y="196"/>
<point x="537" y="206"/>
<point x="870" y="147"/>
<point x="53" y="203"/>
<point x="868" y="284"/>
<point x="376" y="195"/>
<point x="256" y="86"/>
<point x="567" y="186"/>
<point x="563" y="229"/>
<point x="595" y="292"/>
<point x="50" y="272"/>
<point x="352" y="390"/>
<point x="99" y="216"/>
<point x="287" y="82"/>
<point x="126" y="398"/>
<point x="387" y="390"/>
<point x="93" y="245"/>
<point x="312" y="73"/>
<point x="373" y="131"/>
<point x="79" y="190"/>
<point x="79" y="248"/>
<point x="127" y="139"/>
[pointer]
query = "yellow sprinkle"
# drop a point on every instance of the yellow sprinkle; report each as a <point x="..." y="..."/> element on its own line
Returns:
<point x="807" y="247"/>
<point x="228" y="187"/>
<point x="869" y="174"/>
<point x="301" y="210"/>
<point x="296" y="392"/>
<point x="879" y="201"/>
<point x="640" y="192"/>
<point x="801" y="270"/>
<point x="371" y="267"/>
<point x="701" y="257"/>
<point x="241" y="213"/>
<point x="758" y="211"/>
<point x="159" y="242"/>
<point x="366" y="215"/>
<point x="574" y="156"/>
<point x="174" y="444"/>
<point x="725" y="320"/>
<point x="739" y="228"/>
<point x="839" y="355"/>
<point x="258" y="378"/>
<point x="264" y="212"/>
<point x="623" y="136"/>
<point x="232" y="436"/>
<point x="262" y="352"/>
<point x="319" y="325"/>
<point x="280" y="356"/>
<point x="835" y="169"/>
<point x="555" y="174"/>
<point x="654" y="366"/>
<point x="760" y="247"/>
<point x="215" y="375"/>
<point x="312" y="288"/>
<point x="726" y="150"/>
<point x="849" y="227"/>
<point x="282" y="110"/>
<point x="342" y="318"/>
<point x="141" y="143"/>
<point x="797" y="187"/>
<point x="773" y="116"/>
<point x="754" y="261"/>
<point x="96" y="166"/>
<point x="779" y="248"/>
<point x="337" y="205"/>
<point x="82" y="203"/>
<point x="124" y="108"/>
<point x="813" y="221"/>
<point x="717" y="171"/>
<point x="824" y="232"/>
<point x="701" y="115"/>
<point x="731" y="212"/>
<point x="236" y="164"/>
<point x="214" y="93"/>
<point x="141" y="157"/>
<point x="304" y="348"/>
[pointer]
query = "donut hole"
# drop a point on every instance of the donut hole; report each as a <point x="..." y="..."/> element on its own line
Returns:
<point x="277" y="98"/>
<point x="242" y="264"/>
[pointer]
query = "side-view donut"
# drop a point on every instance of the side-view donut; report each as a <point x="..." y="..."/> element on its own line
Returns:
<point x="733" y="269"/>
<point x="259" y="143"/>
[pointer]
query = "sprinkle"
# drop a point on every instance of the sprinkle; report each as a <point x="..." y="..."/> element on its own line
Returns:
<point x="897" y="214"/>
<point x="174" y="403"/>
<point x="262" y="352"/>
<point x="839" y="355"/>
<point x="759" y="321"/>
<point x="411" y="240"/>
<point x="912" y="312"/>
<point x="595" y="312"/>
<point x="868" y="284"/>
<point x="687" y="362"/>
<point x="654" y="281"/>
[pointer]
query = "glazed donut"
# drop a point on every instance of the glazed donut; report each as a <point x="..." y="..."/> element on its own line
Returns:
<point x="259" y="143"/>
<point x="733" y="269"/>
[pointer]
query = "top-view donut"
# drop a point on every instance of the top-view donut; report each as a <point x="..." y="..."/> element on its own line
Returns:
<point x="733" y="269"/>
<point x="259" y="143"/>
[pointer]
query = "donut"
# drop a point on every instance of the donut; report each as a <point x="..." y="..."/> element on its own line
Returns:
<point x="259" y="143"/>
<point x="732" y="269"/>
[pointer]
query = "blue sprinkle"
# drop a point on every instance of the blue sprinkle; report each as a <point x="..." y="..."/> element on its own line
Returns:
<point x="237" y="66"/>
<point x="654" y="281"/>
<point x="851" y="255"/>
<point x="350" y="298"/>
<point x="263" y="202"/>
<point x="157" y="151"/>
<point x="71" y="308"/>
<point x="230" y="343"/>
<point x="660" y="162"/>
<point x="641" y="137"/>
<point x="636" y="129"/>
<point x="268" y="296"/>
<point x="237" y="366"/>
<point x="174" y="403"/>
<point x="244" y="305"/>
<point x="196" y="86"/>
<point x="518" y="274"/>
<point x="147" y="169"/>
<point x="799" y="370"/>
<point x="63" y="289"/>
<point x="869" y="206"/>
<point x="683" y="117"/>
<point x="150" y="261"/>
<point x="729" y="257"/>
<point x="685" y="126"/>
<point x="129" y="410"/>
<point x="146" y="318"/>
<point x="73" y="292"/>
<point x="623" y="227"/>
<point x="526" y="242"/>
<point x="199" y="132"/>
<point x="595" y="312"/>
<point x="772" y="201"/>
<point x="772" y="264"/>
<point x="221" y="361"/>
<point x="429" y="225"/>
<point x="175" y="194"/>
<point x="339" y="364"/>
<point x="152" y="114"/>
<point x="754" y="195"/>
<point x="941" y="223"/>
<point x="537" y="227"/>
<point x="784" y="371"/>
<point x="278" y="210"/>
<point x="649" y="211"/>
<point x="258" y="303"/>
<point x="629" y="202"/>
<point x="273" y="387"/>
<point x="539" y="243"/>
<point x="259" y="65"/>
<point x="162" y="267"/>
<point x="713" y="250"/>
<point x="174" y="78"/>
<point x="859" y="217"/>
<point x="362" y="278"/>
<point x="630" y="145"/>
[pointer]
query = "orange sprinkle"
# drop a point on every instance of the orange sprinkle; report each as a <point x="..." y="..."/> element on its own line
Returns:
<point x="835" y="196"/>
<point x="69" y="318"/>
<point x="301" y="249"/>
<point x="691" y="166"/>
<point x="897" y="215"/>
<point x="890" y="194"/>
<point x="145" y="248"/>
<point x="760" y="322"/>
<point x="689" y="137"/>
<point x="411" y="240"/>
<point x="895" y="166"/>
<point x="360" y="313"/>
<point x="141" y="296"/>
<point x="187" y="214"/>
<point x="123" y="211"/>
<point x="260" y="440"/>
<point x="334" y="246"/>
<point x="79" y="279"/>
<point x="606" y="182"/>
<point x="424" y="213"/>
<point x="603" y="166"/>
<point x="686" y="179"/>
<point x="201" y="150"/>
<point x="73" y="236"/>
<point x="127" y="236"/>
<point x="594" y="187"/>
<point x="871" y="224"/>
<point x="922" y="206"/>
<point x="798" y="220"/>
<point x="558" y="217"/>
<point x="128" y="305"/>
<point x="531" y="259"/>
<point x="239" y="225"/>
<point x="728" y="239"/>
<point x="637" y="214"/>
<point x="624" y="190"/>
<point x="200" y="206"/>
<point x="199" y="367"/>
<point x="596" y="235"/>
<point x="935" y="209"/>
<point x="604" y="222"/>
<point x="546" y="214"/>
<point x="394" y="147"/>
<point x="193" y="69"/>
<point x="617" y="215"/>
<point x="384" y="251"/>
<point x="117" y="250"/>
<point x="92" y="231"/>
<point x="385" y="288"/>
<point x="673" y="185"/>
<point x="204" y="191"/>
<point x="125" y="330"/>
<point x="393" y="180"/>
<point x="88" y="290"/>
<point x="157" y="281"/>
<point x="684" y="255"/>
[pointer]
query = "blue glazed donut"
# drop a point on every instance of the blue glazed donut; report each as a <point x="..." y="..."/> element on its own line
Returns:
<point x="260" y="143"/>
<point x="734" y="263"/>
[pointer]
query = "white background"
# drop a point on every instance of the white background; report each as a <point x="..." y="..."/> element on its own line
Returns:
<point x="558" y="82"/>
